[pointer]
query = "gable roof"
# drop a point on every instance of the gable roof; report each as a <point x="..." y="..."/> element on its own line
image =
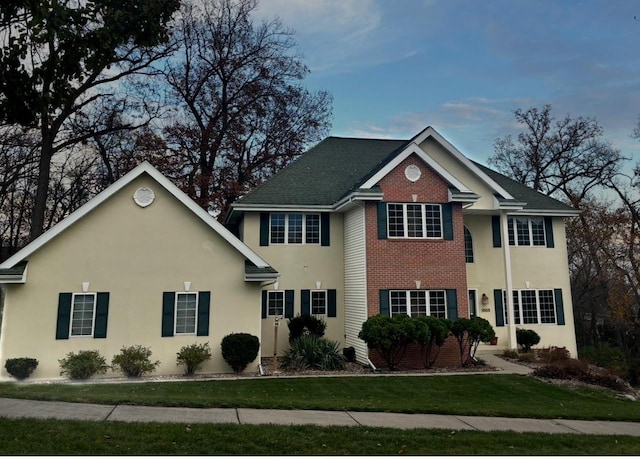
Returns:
<point x="9" y="265"/>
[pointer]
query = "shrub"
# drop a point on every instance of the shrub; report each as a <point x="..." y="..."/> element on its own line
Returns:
<point x="21" y="367"/>
<point x="529" y="357"/>
<point x="553" y="354"/>
<point x="510" y="353"/>
<point x="480" y="330"/>
<point x="239" y="350"/>
<point x="527" y="339"/>
<point x="604" y="355"/>
<point x="83" y="365"/>
<point x="133" y="361"/>
<point x="459" y="329"/>
<point x="193" y="356"/>
<point x="305" y="324"/>
<point x="438" y="334"/>
<point x="313" y="352"/>
<point x="389" y="336"/>
<point x="573" y="369"/>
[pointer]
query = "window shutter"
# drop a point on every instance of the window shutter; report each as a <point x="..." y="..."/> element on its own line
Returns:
<point x="264" y="304"/>
<point x="382" y="220"/>
<point x="495" y="229"/>
<point x="332" y="300"/>
<point x="305" y="302"/>
<point x="204" y="307"/>
<point x="168" y="303"/>
<point x="447" y="221"/>
<point x="384" y="303"/>
<point x="452" y="304"/>
<point x="548" y="231"/>
<point x="102" y="314"/>
<point x="499" y="307"/>
<point x="324" y="229"/>
<point x="264" y="228"/>
<point x="288" y="304"/>
<point x="64" y="315"/>
<point x="559" y="306"/>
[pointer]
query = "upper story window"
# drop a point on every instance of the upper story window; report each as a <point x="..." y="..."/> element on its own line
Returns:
<point x="468" y="246"/>
<point x="83" y="310"/>
<point x="414" y="220"/>
<point x="275" y="303"/>
<point x="531" y="307"/>
<point x="294" y="228"/>
<point x="526" y="231"/>
<point x="416" y="303"/>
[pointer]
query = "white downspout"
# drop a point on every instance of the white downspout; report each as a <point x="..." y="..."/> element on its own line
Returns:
<point x="506" y="251"/>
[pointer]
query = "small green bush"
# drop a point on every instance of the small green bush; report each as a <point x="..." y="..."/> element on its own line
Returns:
<point x="239" y="350"/>
<point x="527" y="339"/>
<point x="438" y="334"/>
<point x="527" y="357"/>
<point x="553" y="354"/>
<point x="510" y="353"/>
<point x="459" y="329"/>
<point x="305" y="325"/>
<point x="480" y="330"/>
<point x="83" y="365"/>
<point x="193" y="356"/>
<point x="313" y="352"/>
<point x="389" y="336"/>
<point x="21" y="367"/>
<point x="605" y="356"/>
<point x="134" y="361"/>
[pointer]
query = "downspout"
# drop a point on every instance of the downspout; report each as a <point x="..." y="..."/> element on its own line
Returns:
<point x="506" y="251"/>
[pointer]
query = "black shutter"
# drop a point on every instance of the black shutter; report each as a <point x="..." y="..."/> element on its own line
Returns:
<point x="382" y="220"/>
<point x="305" y="302"/>
<point x="495" y="229"/>
<point x="452" y="304"/>
<point x="288" y="304"/>
<point x="499" y="307"/>
<point x="557" y="293"/>
<point x="384" y="303"/>
<point x="447" y="221"/>
<point x="548" y="230"/>
<point x="264" y="304"/>
<point x="168" y="306"/>
<point x="102" y="314"/>
<point x="332" y="301"/>
<point x="264" y="228"/>
<point x="204" y="307"/>
<point x="324" y="229"/>
<point x="64" y="315"/>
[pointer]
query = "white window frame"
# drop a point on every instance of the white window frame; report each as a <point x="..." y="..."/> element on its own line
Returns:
<point x="326" y="303"/>
<point x="271" y="292"/>
<point x="405" y="221"/>
<point x="175" y="315"/>
<point x="468" y="237"/>
<point x="427" y="299"/>
<point x="520" y="320"/>
<point x="513" y="229"/>
<point x="93" y="318"/>
<point x="304" y="228"/>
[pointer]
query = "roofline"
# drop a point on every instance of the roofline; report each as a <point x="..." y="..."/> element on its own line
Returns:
<point x="281" y="207"/>
<point x="261" y="277"/>
<point x="548" y="213"/>
<point x="101" y="197"/>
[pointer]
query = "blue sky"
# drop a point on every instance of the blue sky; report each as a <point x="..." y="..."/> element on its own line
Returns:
<point x="461" y="66"/>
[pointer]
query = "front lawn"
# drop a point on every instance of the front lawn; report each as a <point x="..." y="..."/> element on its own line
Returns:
<point x="483" y="395"/>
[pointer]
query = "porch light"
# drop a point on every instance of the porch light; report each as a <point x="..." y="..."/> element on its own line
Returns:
<point x="484" y="300"/>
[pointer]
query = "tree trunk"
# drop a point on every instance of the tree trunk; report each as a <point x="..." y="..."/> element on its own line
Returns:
<point x="42" y="192"/>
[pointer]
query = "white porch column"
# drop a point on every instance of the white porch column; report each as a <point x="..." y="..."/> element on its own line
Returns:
<point x="513" y="343"/>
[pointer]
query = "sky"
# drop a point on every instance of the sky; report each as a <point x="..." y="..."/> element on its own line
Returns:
<point x="395" y="67"/>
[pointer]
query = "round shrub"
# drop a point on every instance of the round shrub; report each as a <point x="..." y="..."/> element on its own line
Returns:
<point x="193" y="356"/>
<point x="83" y="364"/>
<point x="239" y="350"/>
<point x="313" y="352"/>
<point x="432" y="342"/>
<point x="134" y="361"/>
<point x="390" y="336"/>
<point x="527" y="339"/>
<point x="305" y="325"/>
<point x="21" y="367"/>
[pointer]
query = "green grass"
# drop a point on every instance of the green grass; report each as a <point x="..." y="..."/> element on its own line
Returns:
<point x="486" y="395"/>
<point x="26" y="437"/>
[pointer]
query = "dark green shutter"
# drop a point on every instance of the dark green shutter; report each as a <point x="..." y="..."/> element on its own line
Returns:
<point x="64" y="315"/>
<point x="305" y="302"/>
<point x="495" y="229"/>
<point x="102" y="314"/>
<point x="548" y="230"/>
<point x="204" y="307"/>
<point x="288" y="304"/>
<point x="452" y="304"/>
<point x="332" y="300"/>
<point x="499" y="307"/>
<point x="264" y="228"/>
<point x="264" y="304"/>
<point x="168" y="305"/>
<point x="559" y="306"/>
<point x="384" y="303"/>
<point x="324" y="229"/>
<point x="447" y="222"/>
<point x="382" y="220"/>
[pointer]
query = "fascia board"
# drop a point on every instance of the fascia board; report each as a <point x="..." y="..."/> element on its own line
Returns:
<point x="547" y="213"/>
<point x="356" y="196"/>
<point x="281" y="207"/>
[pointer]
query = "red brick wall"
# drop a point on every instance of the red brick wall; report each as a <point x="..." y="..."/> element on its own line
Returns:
<point x="397" y="264"/>
<point x="414" y="358"/>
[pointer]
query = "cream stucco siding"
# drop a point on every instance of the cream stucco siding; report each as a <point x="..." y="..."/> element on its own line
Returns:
<point x="135" y="254"/>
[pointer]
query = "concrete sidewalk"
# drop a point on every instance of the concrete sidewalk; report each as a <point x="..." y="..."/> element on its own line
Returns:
<point x="16" y="408"/>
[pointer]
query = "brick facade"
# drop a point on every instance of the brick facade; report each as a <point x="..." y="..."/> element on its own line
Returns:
<point x="398" y="263"/>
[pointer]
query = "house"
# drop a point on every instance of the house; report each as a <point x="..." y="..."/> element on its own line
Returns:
<point x="353" y="228"/>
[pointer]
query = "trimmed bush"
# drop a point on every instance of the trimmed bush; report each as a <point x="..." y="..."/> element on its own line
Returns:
<point x="134" y="361"/>
<point x="305" y="325"/>
<point x="527" y="339"/>
<point x="21" y="367"/>
<point x="480" y="330"/>
<point x="239" y="350"/>
<point x="389" y="336"/>
<point x="83" y="364"/>
<point x="459" y="329"/>
<point x="193" y="356"/>
<point x="438" y="334"/>
<point x="313" y="352"/>
<point x="510" y="353"/>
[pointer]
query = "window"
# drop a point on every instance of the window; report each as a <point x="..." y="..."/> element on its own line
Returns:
<point x="275" y="303"/>
<point x="318" y="302"/>
<point x="533" y="306"/>
<point x="468" y="246"/>
<point x="186" y="313"/>
<point x="83" y="314"/>
<point x="416" y="303"/>
<point x="294" y="228"/>
<point x="526" y="231"/>
<point x="473" y="304"/>
<point x="414" y="221"/>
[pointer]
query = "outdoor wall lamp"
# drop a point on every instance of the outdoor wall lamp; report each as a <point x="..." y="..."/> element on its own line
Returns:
<point x="484" y="300"/>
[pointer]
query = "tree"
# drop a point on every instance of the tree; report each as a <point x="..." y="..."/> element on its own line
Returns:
<point x="58" y="58"/>
<point x="241" y="113"/>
